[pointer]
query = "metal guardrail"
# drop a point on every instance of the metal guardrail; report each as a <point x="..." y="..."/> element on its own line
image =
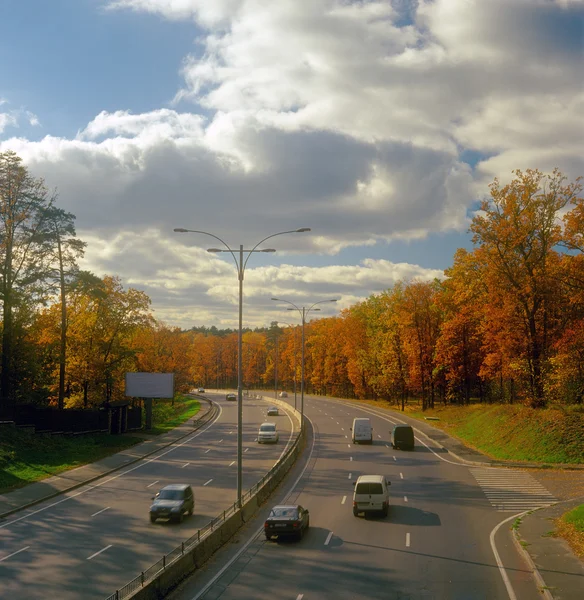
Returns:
<point x="129" y="588"/>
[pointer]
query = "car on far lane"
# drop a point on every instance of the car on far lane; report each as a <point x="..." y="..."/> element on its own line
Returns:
<point x="231" y="397"/>
<point x="273" y="411"/>
<point x="172" y="502"/>
<point x="283" y="394"/>
<point x="201" y="391"/>
<point x="268" y="433"/>
<point x="287" y="520"/>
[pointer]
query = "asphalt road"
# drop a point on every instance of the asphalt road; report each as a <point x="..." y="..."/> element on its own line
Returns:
<point x="92" y="541"/>
<point x="443" y="539"/>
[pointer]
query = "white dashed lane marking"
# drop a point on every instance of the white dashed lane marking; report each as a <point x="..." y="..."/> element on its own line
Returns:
<point x="509" y="490"/>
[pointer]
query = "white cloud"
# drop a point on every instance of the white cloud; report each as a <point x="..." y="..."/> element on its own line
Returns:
<point x="347" y="117"/>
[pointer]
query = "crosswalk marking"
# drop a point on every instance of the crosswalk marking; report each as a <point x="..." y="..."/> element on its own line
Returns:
<point x="509" y="490"/>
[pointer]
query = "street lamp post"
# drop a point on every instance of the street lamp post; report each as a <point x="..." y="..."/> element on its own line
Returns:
<point x="240" y="266"/>
<point x="303" y="311"/>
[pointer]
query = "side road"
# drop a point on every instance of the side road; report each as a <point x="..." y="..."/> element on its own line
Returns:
<point x="557" y="571"/>
<point x="67" y="481"/>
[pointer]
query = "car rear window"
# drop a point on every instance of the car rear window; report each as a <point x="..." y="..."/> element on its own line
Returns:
<point x="268" y="428"/>
<point x="286" y="513"/>
<point x="369" y="488"/>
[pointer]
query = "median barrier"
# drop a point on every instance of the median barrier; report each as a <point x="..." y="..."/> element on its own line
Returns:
<point x="249" y="509"/>
<point x="157" y="582"/>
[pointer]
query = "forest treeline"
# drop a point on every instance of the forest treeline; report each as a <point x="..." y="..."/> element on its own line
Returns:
<point x="506" y="324"/>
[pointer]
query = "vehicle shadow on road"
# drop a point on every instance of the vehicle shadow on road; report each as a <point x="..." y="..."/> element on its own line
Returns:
<point x="407" y="515"/>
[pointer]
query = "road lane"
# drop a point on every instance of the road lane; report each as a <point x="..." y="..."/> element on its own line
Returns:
<point x="101" y="537"/>
<point x="434" y="543"/>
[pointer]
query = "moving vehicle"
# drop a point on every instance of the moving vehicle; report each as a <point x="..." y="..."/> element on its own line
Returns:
<point x="273" y="411"/>
<point x="283" y="394"/>
<point x="231" y="397"/>
<point x="287" y="520"/>
<point x="201" y="391"/>
<point x="402" y="437"/>
<point x="268" y="433"/>
<point x="172" y="502"/>
<point x="362" y="431"/>
<point x="371" y="495"/>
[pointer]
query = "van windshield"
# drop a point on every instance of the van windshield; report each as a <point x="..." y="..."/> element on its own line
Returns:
<point x="369" y="488"/>
<point x="268" y="428"/>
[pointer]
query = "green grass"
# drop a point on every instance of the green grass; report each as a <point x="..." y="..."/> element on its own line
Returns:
<point x="515" y="433"/>
<point x="26" y="457"/>
<point x="575" y="518"/>
<point x="168" y="415"/>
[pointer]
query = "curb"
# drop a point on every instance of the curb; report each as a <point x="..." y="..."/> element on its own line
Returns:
<point x="196" y="425"/>
<point x="541" y="584"/>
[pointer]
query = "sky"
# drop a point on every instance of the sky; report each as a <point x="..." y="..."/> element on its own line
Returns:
<point x="377" y="124"/>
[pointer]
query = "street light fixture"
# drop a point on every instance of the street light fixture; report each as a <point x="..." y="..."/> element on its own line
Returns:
<point x="240" y="265"/>
<point x="303" y="311"/>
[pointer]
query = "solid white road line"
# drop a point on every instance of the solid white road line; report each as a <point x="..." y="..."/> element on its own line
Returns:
<point x="207" y="450"/>
<point x="208" y="482"/>
<point x="407" y="540"/>
<point x="153" y="483"/>
<point x="504" y="575"/>
<point x="100" y="511"/>
<point x="98" y="553"/>
<point x="231" y="463"/>
<point x="185" y="465"/>
<point x="344" y="499"/>
<point x="328" y="538"/>
<point x="15" y="553"/>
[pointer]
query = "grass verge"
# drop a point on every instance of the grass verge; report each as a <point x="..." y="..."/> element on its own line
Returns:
<point x="515" y="433"/>
<point x="570" y="526"/>
<point x="26" y="458"/>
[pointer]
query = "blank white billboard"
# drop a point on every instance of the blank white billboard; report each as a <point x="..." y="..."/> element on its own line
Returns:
<point x="150" y="385"/>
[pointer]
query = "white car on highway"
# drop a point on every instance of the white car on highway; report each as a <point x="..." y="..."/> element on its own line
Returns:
<point x="268" y="433"/>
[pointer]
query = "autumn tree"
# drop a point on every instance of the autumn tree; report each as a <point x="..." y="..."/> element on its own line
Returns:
<point x="516" y="233"/>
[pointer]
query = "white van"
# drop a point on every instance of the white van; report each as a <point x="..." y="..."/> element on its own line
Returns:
<point x="362" y="431"/>
<point x="371" y="495"/>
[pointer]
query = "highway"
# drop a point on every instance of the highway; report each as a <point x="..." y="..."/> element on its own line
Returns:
<point x="92" y="541"/>
<point x="444" y="539"/>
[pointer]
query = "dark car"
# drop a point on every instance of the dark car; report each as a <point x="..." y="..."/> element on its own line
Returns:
<point x="402" y="437"/>
<point x="287" y="521"/>
<point x="273" y="411"/>
<point x="231" y="397"/>
<point x="201" y="391"/>
<point x="172" y="502"/>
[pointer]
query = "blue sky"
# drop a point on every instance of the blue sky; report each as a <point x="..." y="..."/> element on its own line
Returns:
<point x="379" y="124"/>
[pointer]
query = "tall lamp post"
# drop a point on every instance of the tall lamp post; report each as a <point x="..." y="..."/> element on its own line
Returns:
<point x="303" y="312"/>
<point x="240" y="265"/>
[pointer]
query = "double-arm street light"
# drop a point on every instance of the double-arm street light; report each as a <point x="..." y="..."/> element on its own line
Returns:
<point x="240" y="265"/>
<point x="303" y="311"/>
